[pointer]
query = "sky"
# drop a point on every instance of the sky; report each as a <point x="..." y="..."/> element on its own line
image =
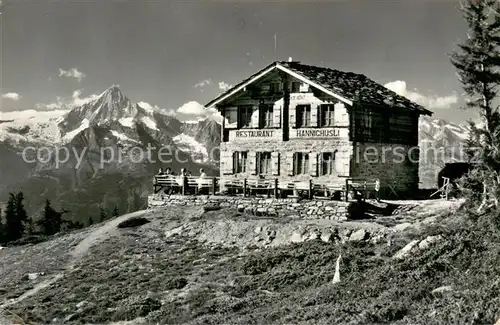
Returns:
<point x="175" y="54"/>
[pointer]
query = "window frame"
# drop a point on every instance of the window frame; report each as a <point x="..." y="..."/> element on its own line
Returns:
<point x="327" y="108"/>
<point x="266" y="110"/>
<point x="297" y="88"/>
<point x="301" y="161"/>
<point x="259" y="155"/>
<point x="328" y="163"/>
<point x="240" y="161"/>
<point x="245" y="111"/>
<point x="300" y="111"/>
<point x="275" y="87"/>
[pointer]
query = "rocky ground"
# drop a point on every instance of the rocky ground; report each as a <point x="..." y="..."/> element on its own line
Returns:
<point x="190" y="266"/>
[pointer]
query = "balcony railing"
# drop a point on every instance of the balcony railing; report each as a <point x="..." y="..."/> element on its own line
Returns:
<point x="194" y="185"/>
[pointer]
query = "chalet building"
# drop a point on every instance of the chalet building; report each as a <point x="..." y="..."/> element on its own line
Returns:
<point x="298" y="122"/>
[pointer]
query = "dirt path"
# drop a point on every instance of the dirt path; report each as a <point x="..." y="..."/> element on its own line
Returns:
<point x="93" y="237"/>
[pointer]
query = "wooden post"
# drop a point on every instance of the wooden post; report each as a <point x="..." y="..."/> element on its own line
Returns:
<point x="286" y="106"/>
<point x="310" y="189"/>
<point x="276" y="188"/>
<point x="183" y="189"/>
<point x="364" y="192"/>
<point x="268" y="189"/>
<point x="214" y="184"/>
<point x="346" y="190"/>
<point x="245" y="187"/>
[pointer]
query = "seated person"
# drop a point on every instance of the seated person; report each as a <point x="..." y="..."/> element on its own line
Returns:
<point x="202" y="180"/>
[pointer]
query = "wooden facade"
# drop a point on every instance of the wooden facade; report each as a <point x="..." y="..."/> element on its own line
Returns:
<point x="286" y="125"/>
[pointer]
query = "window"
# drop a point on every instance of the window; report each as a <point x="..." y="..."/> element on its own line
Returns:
<point x="240" y="161"/>
<point x="327" y="115"/>
<point x="295" y="87"/>
<point x="300" y="163"/>
<point x="245" y="116"/>
<point x="328" y="163"/>
<point x="303" y="115"/>
<point x="266" y="116"/>
<point x="367" y="123"/>
<point x="263" y="163"/>
<point x="275" y="88"/>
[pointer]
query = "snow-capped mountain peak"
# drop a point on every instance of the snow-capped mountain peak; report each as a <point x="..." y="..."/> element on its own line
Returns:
<point x="111" y="105"/>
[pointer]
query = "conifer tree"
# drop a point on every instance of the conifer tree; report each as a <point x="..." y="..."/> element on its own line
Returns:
<point x="29" y="227"/>
<point x="51" y="221"/>
<point x="115" y="212"/>
<point x="90" y="221"/>
<point x="20" y="211"/>
<point x="102" y="215"/>
<point x="14" y="227"/>
<point x="477" y="61"/>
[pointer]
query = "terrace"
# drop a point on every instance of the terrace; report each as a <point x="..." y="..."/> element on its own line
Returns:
<point x="352" y="189"/>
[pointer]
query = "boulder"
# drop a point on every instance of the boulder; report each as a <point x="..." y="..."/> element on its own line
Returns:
<point x="359" y="235"/>
<point x="377" y="239"/>
<point x="427" y="242"/>
<point x="297" y="237"/>
<point x="403" y="252"/>
<point x="326" y="236"/>
<point x="402" y="226"/>
<point x="81" y="304"/>
<point x="442" y="289"/>
<point x="313" y="236"/>
<point x="34" y="276"/>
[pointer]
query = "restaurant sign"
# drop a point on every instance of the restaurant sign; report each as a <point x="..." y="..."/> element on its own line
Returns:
<point x="239" y="135"/>
<point x="319" y="133"/>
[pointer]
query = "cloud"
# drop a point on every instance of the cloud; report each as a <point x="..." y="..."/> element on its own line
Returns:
<point x="153" y="108"/>
<point x="224" y="86"/>
<point x="203" y="83"/>
<point x="72" y="73"/>
<point x="400" y="88"/>
<point x="78" y="100"/>
<point x="68" y="103"/>
<point x="12" y="96"/>
<point x="194" y="112"/>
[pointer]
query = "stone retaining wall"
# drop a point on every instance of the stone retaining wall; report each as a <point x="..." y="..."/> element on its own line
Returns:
<point x="306" y="209"/>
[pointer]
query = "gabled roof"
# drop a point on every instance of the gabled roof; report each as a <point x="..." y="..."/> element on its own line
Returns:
<point x="347" y="87"/>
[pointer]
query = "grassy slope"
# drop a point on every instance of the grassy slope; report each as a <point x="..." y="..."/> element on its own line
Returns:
<point x="182" y="281"/>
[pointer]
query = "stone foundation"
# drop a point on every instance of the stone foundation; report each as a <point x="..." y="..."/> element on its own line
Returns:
<point x="305" y="209"/>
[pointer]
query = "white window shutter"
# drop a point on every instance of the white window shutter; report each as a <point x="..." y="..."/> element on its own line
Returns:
<point x="255" y="117"/>
<point x="277" y="116"/>
<point x="339" y="163"/>
<point x="314" y="115"/>
<point x="341" y="114"/>
<point x="289" y="163"/>
<point x="347" y="163"/>
<point x="320" y="164"/>
<point x="252" y="162"/>
<point x="222" y="164"/>
<point x="275" y="163"/>
<point x="227" y="163"/>
<point x="313" y="164"/>
<point x="292" y="116"/>
<point x="231" y="117"/>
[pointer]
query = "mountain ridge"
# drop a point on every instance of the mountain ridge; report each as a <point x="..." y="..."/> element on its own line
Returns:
<point x="112" y="135"/>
